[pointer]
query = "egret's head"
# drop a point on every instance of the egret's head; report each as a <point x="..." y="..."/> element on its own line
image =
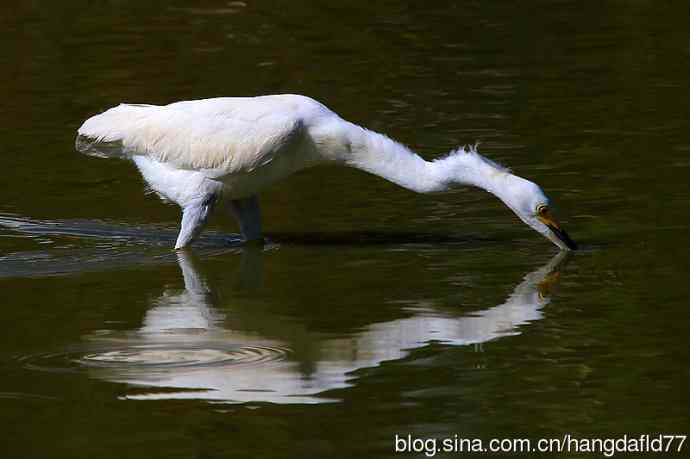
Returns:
<point x="465" y="166"/>
<point x="529" y="202"/>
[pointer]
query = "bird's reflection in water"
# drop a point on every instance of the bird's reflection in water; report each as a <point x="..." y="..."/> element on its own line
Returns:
<point x="186" y="348"/>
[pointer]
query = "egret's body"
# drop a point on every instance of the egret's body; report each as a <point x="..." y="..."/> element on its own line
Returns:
<point x="199" y="153"/>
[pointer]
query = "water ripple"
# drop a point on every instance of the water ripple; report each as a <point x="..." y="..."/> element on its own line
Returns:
<point x="151" y="357"/>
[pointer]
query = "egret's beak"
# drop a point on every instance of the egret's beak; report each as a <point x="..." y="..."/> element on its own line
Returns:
<point x="546" y="218"/>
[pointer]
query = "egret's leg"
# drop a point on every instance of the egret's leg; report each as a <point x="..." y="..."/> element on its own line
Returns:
<point x="194" y="217"/>
<point x="246" y="212"/>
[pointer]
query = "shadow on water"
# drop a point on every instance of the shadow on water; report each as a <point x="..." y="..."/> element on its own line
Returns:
<point x="149" y="234"/>
<point x="373" y="238"/>
<point x="113" y="246"/>
<point x="187" y="347"/>
<point x="114" y="242"/>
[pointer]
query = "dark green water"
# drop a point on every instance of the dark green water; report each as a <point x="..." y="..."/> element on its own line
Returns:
<point x="375" y="311"/>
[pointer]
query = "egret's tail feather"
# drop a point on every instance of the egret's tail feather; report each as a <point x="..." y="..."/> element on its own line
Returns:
<point x="102" y="149"/>
<point x="103" y="135"/>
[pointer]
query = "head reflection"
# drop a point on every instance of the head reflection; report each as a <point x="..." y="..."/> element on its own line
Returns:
<point x="187" y="347"/>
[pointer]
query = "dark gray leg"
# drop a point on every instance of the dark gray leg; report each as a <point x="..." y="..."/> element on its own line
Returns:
<point x="246" y="212"/>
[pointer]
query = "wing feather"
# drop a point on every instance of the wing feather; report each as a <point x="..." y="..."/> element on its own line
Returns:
<point x="220" y="134"/>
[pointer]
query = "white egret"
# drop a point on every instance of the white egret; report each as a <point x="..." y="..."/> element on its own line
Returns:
<point x="201" y="152"/>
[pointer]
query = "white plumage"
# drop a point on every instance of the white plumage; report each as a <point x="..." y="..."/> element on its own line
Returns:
<point x="195" y="152"/>
<point x="211" y="134"/>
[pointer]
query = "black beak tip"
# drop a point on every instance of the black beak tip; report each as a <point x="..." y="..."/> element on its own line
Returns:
<point x="570" y="243"/>
<point x="563" y="236"/>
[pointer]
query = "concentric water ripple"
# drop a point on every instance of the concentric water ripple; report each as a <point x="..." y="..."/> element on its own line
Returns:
<point x="152" y="357"/>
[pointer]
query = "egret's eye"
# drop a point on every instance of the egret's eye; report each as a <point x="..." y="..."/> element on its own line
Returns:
<point x="542" y="209"/>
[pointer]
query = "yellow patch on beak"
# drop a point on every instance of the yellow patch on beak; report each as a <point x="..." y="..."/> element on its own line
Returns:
<point x="546" y="218"/>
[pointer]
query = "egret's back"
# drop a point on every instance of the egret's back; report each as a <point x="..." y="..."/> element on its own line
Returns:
<point x="228" y="134"/>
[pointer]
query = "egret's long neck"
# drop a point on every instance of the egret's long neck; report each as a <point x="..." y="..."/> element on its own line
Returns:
<point x="377" y="154"/>
<point x="466" y="166"/>
<point x="382" y="156"/>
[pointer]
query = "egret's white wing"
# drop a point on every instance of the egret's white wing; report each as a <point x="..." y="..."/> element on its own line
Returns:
<point x="227" y="134"/>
